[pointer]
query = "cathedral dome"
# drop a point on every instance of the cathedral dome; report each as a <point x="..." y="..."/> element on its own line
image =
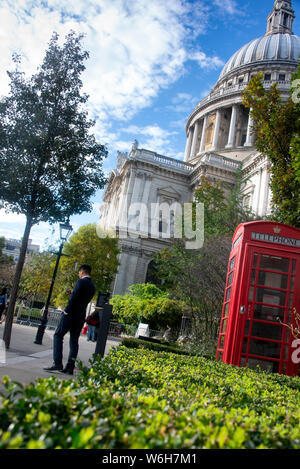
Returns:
<point x="278" y="47"/>
<point x="220" y="122"/>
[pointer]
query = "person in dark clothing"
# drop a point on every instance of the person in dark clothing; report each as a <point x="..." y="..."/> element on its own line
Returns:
<point x="3" y="301"/>
<point x="72" y="320"/>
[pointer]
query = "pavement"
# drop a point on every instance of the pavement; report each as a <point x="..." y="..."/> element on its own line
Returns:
<point x="24" y="360"/>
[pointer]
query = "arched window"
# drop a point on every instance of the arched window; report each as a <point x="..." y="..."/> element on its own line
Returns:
<point x="151" y="276"/>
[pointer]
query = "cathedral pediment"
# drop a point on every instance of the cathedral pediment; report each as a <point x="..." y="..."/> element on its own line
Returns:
<point x="168" y="193"/>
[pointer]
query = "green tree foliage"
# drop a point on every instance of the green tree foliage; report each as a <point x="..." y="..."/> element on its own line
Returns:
<point x="197" y="277"/>
<point x="4" y="259"/>
<point x="223" y="206"/>
<point x="7" y="266"/>
<point x="276" y="125"/>
<point x="147" y="303"/>
<point x="50" y="162"/>
<point x="36" y="276"/>
<point x="85" y="247"/>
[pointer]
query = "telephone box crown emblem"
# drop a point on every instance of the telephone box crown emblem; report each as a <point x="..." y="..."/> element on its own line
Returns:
<point x="276" y="229"/>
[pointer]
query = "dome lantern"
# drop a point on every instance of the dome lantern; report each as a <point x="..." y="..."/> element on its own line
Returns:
<point x="281" y="18"/>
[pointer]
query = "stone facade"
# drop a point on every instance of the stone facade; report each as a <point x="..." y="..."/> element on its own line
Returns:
<point x="219" y="142"/>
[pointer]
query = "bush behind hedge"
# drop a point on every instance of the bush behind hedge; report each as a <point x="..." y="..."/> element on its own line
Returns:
<point x="137" y="398"/>
<point x="163" y="347"/>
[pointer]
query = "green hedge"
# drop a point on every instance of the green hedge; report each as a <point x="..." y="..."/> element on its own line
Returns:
<point x="139" y="343"/>
<point x="137" y="398"/>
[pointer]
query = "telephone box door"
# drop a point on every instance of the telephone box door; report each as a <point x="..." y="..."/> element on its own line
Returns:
<point x="267" y="304"/>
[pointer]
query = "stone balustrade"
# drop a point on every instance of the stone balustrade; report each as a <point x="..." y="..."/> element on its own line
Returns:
<point x="221" y="161"/>
<point x="147" y="155"/>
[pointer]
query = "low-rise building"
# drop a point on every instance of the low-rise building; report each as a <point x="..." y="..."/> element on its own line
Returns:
<point x="12" y="248"/>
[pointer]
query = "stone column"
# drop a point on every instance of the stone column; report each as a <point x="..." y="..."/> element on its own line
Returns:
<point x="145" y="201"/>
<point x="123" y="204"/>
<point x="188" y="146"/>
<point x="195" y="139"/>
<point x="123" y="216"/>
<point x="249" y="138"/>
<point x="217" y="130"/>
<point x="231" y="135"/>
<point x="202" y="144"/>
<point x="266" y="182"/>
<point x="137" y="189"/>
<point x="259" y="191"/>
<point x="126" y="272"/>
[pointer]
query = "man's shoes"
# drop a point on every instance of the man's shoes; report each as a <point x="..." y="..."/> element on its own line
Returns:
<point x="53" y="368"/>
<point x="67" y="371"/>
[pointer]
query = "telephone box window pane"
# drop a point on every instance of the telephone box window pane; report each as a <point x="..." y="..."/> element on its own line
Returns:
<point x="247" y="327"/>
<point x="232" y="263"/>
<point x="274" y="263"/>
<point x="243" y="361"/>
<point x="228" y="294"/>
<point x="270" y="279"/>
<point x="226" y="309"/>
<point x="222" y="341"/>
<point x="292" y="285"/>
<point x="253" y="276"/>
<point x="230" y="279"/>
<point x="266" y="331"/>
<point x="255" y="260"/>
<point x="245" y="344"/>
<point x="251" y="291"/>
<point x="291" y="299"/>
<point x="273" y="297"/>
<point x="265" y="349"/>
<point x="268" y="313"/>
<point x="264" y="365"/>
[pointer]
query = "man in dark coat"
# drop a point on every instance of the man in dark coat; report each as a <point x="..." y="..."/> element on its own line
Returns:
<point x="72" y="320"/>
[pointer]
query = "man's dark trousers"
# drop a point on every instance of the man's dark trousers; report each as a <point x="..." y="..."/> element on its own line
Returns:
<point x="65" y="325"/>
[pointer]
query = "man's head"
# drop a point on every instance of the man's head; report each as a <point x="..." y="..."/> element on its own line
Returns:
<point x="84" y="269"/>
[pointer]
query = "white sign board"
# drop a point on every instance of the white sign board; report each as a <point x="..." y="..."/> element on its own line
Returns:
<point x="142" y="330"/>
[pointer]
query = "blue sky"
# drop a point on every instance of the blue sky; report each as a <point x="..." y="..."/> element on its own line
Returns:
<point x="150" y="62"/>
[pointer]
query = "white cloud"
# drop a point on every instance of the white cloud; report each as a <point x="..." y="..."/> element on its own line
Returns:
<point x="228" y="6"/>
<point x="206" y="62"/>
<point x="136" y="47"/>
<point x="152" y="137"/>
<point x="183" y="103"/>
<point x="10" y="217"/>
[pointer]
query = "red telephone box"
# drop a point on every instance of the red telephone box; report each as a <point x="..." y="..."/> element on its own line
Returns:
<point x="262" y="291"/>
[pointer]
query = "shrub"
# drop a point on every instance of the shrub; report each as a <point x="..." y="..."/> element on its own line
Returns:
<point x="163" y="347"/>
<point x="137" y="398"/>
<point x="147" y="303"/>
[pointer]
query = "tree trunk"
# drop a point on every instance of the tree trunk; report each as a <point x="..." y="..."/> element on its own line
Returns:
<point x="15" y="287"/>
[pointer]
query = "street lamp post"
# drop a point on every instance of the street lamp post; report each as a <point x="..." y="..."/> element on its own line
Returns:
<point x="65" y="231"/>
